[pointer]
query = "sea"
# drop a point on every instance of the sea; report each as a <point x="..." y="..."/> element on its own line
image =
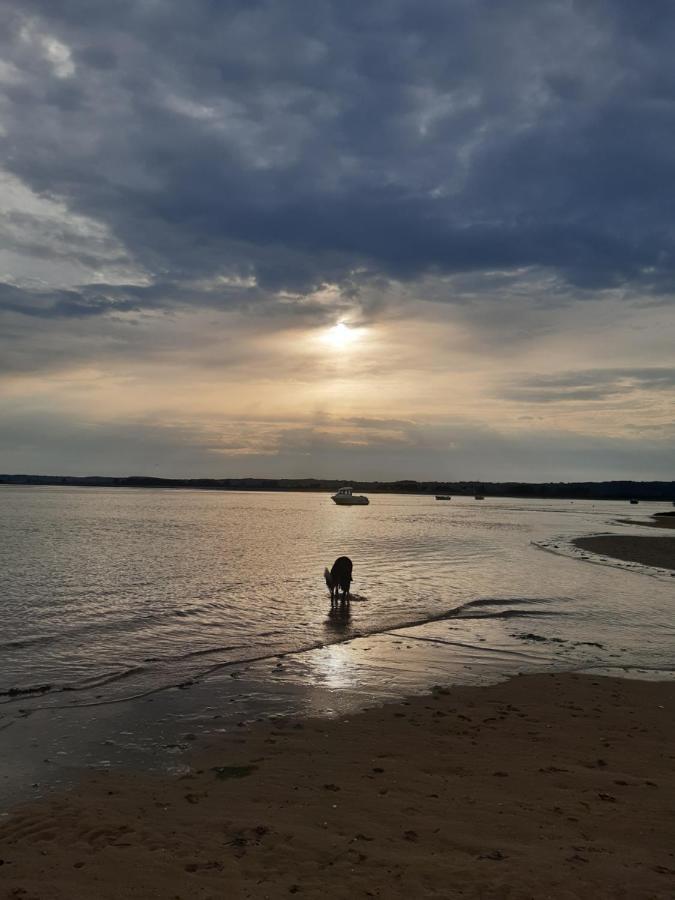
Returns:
<point x="136" y="622"/>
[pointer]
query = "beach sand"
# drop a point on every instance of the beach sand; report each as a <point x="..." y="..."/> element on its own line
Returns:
<point x="547" y="786"/>
<point x="643" y="549"/>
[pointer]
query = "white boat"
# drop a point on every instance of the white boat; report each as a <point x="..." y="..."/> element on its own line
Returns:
<point x="345" y="497"/>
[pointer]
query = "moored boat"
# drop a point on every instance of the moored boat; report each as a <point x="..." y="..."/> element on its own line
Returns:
<point x="345" y="497"/>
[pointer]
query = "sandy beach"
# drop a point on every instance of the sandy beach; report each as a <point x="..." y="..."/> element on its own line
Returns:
<point x="555" y="786"/>
<point x="643" y="549"/>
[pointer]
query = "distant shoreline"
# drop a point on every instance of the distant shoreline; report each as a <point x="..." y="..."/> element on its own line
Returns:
<point x="659" y="491"/>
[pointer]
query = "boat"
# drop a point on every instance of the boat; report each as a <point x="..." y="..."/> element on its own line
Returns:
<point x="345" y="497"/>
<point x="443" y="497"/>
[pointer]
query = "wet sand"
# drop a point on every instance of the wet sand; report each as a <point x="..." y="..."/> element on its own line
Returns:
<point x="643" y="549"/>
<point x="659" y="520"/>
<point x="555" y="786"/>
<point x="663" y="520"/>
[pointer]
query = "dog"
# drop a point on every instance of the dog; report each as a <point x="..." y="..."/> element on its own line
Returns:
<point x="339" y="579"/>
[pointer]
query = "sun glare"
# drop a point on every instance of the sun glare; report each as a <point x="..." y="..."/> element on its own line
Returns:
<point x="340" y="335"/>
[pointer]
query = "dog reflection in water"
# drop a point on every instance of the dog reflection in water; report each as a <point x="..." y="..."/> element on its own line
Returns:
<point x="339" y="579"/>
<point x="339" y="618"/>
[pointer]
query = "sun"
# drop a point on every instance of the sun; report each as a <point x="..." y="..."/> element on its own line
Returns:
<point x="340" y="335"/>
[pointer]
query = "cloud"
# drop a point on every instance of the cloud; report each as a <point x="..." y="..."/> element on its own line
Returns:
<point x="190" y="192"/>
<point x="336" y="448"/>
<point x="301" y="144"/>
<point x="592" y="385"/>
<point x="51" y="304"/>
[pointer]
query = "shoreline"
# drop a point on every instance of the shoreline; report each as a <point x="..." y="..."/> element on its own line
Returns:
<point x="658" y="520"/>
<point x="46" y="740"/>
<point x="648" y="550"/>
<point x="463" y="490"/>
<point x="555" y="785"/>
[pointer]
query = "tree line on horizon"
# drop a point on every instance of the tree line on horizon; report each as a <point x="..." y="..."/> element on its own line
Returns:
<point x="574" y="490"/>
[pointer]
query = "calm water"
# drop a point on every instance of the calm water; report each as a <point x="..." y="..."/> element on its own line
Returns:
<point x="106" y="594"/>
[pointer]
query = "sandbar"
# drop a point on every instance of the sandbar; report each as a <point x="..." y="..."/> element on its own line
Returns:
<point x="643" y="549"/>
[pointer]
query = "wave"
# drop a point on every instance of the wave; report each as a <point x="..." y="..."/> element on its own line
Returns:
<point x="154" y="666"/>
<point x="25" y="691"/>
<point x="23" y="643"/>
<point x="501" y="651"/>
<point x="110" y="621"/>
<point x="506" y="601"/>
<point x="88" y="684"/>
<point x="512" y="614"/>
<point x="204" y="652"/>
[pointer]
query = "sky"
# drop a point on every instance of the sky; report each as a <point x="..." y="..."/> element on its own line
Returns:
<point x="425" y="239"/>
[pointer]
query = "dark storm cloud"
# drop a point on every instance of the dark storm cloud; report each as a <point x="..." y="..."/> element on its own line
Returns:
<point x="53" y="304"/>
<point x="99" y="299"/>
<point x="312" y="142"/>
<point x="594" y="385"/>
